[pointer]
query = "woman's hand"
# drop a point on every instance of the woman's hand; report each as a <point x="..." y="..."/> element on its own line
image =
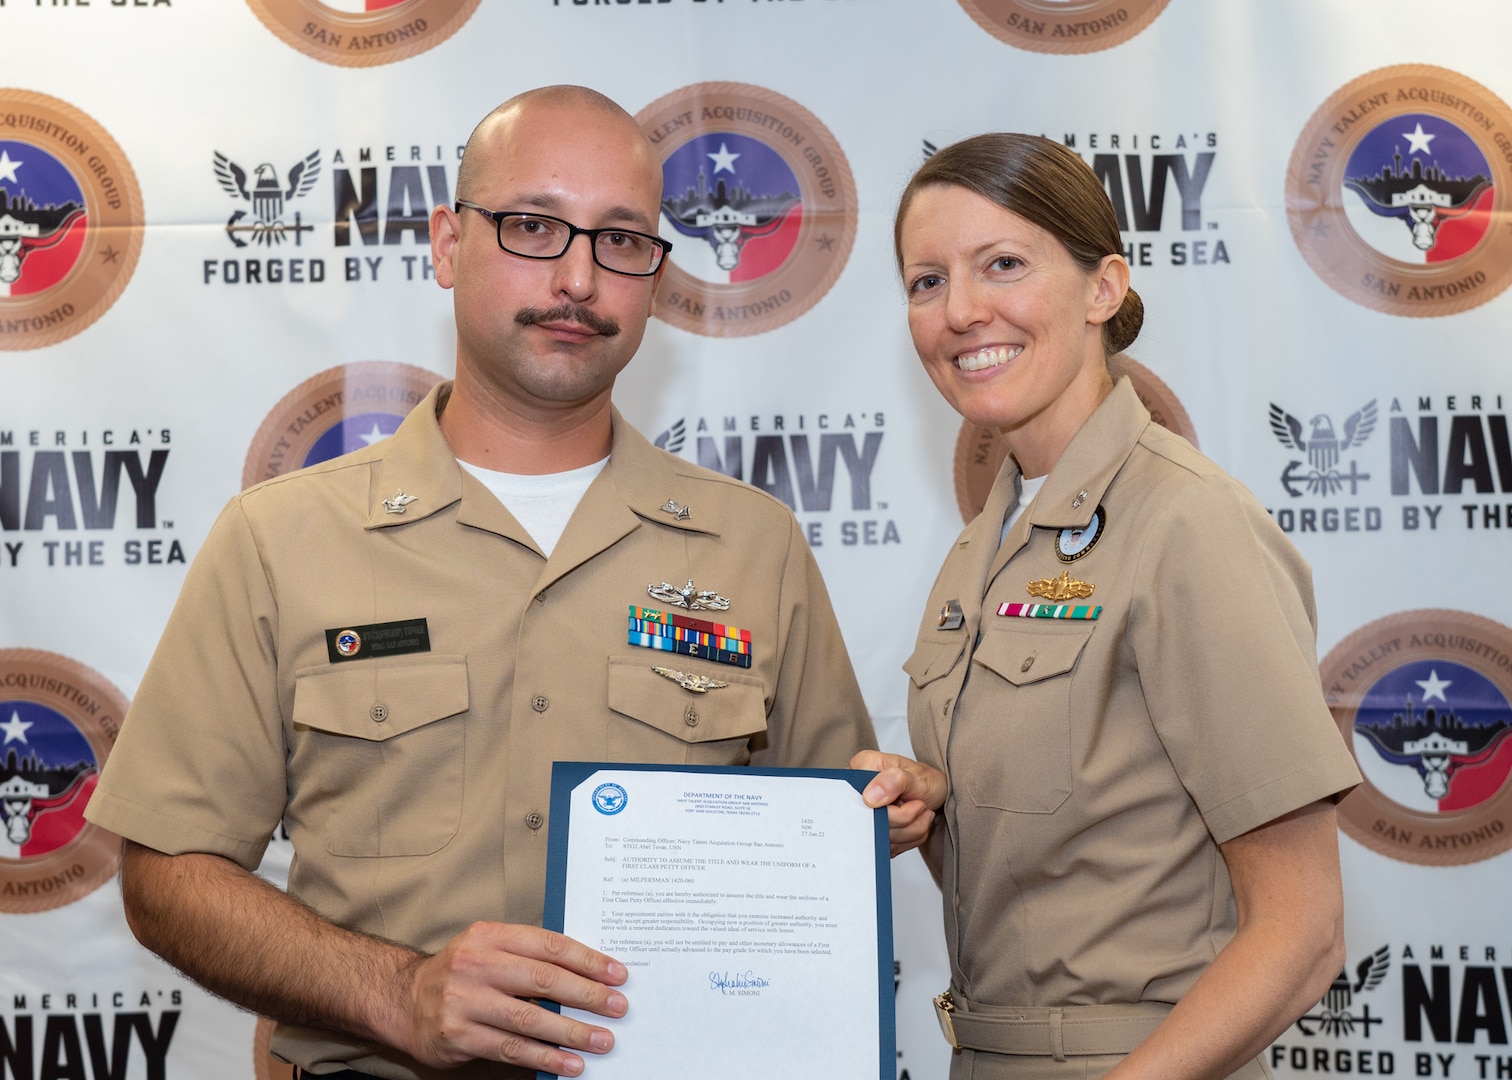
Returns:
<point x="911" y="791"/>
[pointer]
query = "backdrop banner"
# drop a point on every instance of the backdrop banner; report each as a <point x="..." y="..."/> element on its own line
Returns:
<point x="214" y="269"/>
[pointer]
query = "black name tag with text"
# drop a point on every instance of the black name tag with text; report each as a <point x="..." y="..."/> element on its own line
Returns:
<point x="377" y="639"/>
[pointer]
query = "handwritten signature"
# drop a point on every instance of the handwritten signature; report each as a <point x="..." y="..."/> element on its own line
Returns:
<point x="739" y="981"/>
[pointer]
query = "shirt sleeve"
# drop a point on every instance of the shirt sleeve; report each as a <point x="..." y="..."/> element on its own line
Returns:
<point x="818" y="718"/>
<point x="1227" y="654"/>
<point x="199" y="764"/>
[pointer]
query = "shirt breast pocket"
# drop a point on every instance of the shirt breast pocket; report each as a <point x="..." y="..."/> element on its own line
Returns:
<point x="1030" y="770"/>
<point x="670" y="725"/>
<point x="376" y="754"/>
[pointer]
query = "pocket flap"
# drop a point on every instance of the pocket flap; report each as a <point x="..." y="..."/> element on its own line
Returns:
<point x="933" y="658"/>
<point x="727" y="712"/>
<point x="377" y="700"/>
<point x="1025" y="655"/>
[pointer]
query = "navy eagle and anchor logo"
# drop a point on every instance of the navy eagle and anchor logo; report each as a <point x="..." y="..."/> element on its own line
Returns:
<point x="1334" y="1014"/>
<point x="1323" y="446"/>
<point x="267" y="194"/>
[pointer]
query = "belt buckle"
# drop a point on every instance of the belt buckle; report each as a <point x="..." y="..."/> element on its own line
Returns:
<point x="945" y="1006"/>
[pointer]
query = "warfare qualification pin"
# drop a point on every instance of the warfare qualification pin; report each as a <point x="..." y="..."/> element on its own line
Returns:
<point x="688" y="597"/>
<point x="1060" y="589"/>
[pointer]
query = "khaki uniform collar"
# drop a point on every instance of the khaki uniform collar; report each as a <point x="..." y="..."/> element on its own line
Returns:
<point x="638" y="480"/>
<point x="415" y="461"/>
<point x="1078" y="480"/>
<point x="1087" y="466"/>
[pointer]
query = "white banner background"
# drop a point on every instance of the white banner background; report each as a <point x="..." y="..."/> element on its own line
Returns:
<point x="184" y="351"/>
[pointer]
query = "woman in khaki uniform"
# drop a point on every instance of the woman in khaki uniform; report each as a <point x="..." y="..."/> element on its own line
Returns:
<point x="1117" y="668"/>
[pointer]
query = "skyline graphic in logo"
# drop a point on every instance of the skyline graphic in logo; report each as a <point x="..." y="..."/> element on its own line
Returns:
<point x="1391" y="189"/>
<point x="58" y="720"/>
<point x="47" y="773"/>
<point x="739" y="198"/>
<point x="1424" y="708"/>
<point x="43" y="218"/>
<point x="71" y="220"/>
<point x="267" y="195"/>
<point x="1418" y="189"/>
<point x="762" y="199"/>
<point x="1432" y="735"/>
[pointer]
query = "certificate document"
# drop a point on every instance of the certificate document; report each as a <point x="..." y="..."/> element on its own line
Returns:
<point x="752" y="907"/>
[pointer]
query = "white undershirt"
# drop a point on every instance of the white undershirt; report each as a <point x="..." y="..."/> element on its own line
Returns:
<point x="1028" y="489"/>
<point x="540" y="503"/>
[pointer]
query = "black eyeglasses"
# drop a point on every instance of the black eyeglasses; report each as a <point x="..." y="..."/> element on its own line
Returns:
<point x="540" y="236"/>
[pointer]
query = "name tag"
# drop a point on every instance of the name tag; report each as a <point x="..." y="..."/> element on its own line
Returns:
<point x="377" y="639"/>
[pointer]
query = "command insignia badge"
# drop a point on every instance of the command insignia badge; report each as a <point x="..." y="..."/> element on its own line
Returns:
<point x="1072" y="544"/>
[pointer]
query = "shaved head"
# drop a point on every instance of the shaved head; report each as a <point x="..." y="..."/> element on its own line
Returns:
<point x="565" y="96"/>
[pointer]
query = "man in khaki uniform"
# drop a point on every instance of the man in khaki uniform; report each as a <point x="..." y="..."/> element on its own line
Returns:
<point x="1097" y="764"/>
<point x="379" y="655"/>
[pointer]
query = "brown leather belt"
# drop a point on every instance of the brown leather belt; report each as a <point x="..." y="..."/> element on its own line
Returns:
<point x="1069" y="1031"/>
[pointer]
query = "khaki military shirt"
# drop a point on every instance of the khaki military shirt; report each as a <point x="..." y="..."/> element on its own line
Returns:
<point x="1097" y="765"/>
<point x="415" y="785"/>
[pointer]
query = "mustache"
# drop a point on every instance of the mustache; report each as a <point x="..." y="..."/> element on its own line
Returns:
<point x="576" y="313"/>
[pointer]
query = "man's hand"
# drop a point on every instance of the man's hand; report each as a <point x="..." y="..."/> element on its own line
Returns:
<point x="470" y="1000"/>
<point x="259" y="947"/>
<point x="911" y="791"/>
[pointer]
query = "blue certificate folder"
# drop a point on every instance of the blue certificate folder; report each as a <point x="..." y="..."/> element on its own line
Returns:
<point x="566" y="776"/>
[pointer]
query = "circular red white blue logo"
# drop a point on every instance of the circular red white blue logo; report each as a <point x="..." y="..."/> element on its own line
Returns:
<point x="1427" y="711"/>
<point x="71" y="220"/>
<point x="761" y="200"/>
<point x="363" y="33"/>
<point x="348" y="642"/>
<point x="335" y="412"/>
<point x="1394" y="188"/>
<point x="58" y="720"/>
<point x="1063" y="26"/>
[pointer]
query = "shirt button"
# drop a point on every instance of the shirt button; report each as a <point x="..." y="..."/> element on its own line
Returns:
<point x="534" y="820"/>
<point x="691" y="717"/>
<point x="539" y="703"/>
<point x="540" y="597"/>
<point x="378" y="713"/>
<point x="1027" y="664"/>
